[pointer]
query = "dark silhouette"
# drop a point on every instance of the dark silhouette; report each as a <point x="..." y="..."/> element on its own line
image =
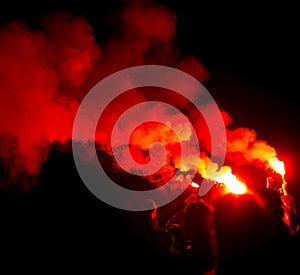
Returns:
<point x="147" y="245"/>
<point x="198" y="226"/>
<point x="248" y="239"/>
<point x="291" y="217"/>
<point x="179" y="241"/>
<point x="60" y="225"/>
<point x="274" y="207"/>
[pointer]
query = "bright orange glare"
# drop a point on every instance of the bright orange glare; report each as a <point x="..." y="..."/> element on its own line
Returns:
<point x="232" y="183"/>
<point x="278" y="166"/>
<point x="236" y="187"/>
<point x="194" y="184"/>
<point x="223" y="175"/>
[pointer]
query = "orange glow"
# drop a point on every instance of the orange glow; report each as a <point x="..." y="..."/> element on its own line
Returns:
<point x="278" y="166"/>
<point x="194" y="184"/>
<point x="147" y="134"/>
<point x="210" y="171"/>
<point x="236" y="187"/>
<point x="230" y="180"/>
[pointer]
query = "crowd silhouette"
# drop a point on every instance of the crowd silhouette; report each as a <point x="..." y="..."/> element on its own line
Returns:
<point x="235" y="234"/>
<point x="61" y="225"/>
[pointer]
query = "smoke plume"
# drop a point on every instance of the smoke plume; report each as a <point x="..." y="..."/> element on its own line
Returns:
<point x="45" y="73"/>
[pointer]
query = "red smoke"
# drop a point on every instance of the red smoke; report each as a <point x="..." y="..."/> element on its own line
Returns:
<point x="39" y="71"/>
<point x="46" y="72"/>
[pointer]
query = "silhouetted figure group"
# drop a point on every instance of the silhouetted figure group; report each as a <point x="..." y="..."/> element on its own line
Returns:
<point x="250" y="239"/>
<point x="237" y="234"/>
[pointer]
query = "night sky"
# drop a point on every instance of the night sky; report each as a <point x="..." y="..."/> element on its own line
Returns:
<point x="251" y="54"/>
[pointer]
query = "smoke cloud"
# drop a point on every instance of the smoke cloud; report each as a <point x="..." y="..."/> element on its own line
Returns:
<point x="45" y="73"/>
<point x="39" y="70"/>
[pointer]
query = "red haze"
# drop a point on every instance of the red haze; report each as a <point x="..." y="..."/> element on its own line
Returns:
<point x="45" y="72"/>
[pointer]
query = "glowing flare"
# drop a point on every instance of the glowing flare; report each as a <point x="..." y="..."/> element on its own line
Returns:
<point x="236" y="187"/>
<point x="194" y="184"/>
<point x="230" y="180"/>
<point x="278" y="166"/>
<point x="223" y="175"/>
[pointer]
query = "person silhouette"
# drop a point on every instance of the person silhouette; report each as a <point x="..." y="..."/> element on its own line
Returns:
<point x="200" y="257"/>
